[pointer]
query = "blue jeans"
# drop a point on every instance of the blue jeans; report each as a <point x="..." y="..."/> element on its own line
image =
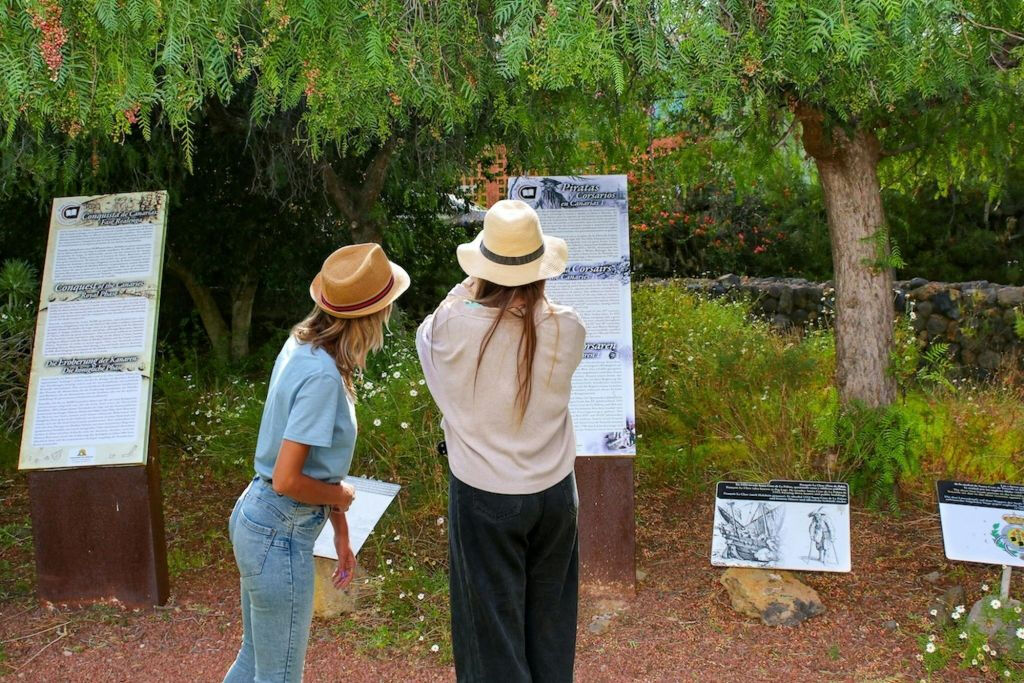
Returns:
<point x="273" y="538"/>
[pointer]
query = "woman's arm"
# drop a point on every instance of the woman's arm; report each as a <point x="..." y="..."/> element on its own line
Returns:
<point x="289" y="480"/>
<point x="346" y="560"/>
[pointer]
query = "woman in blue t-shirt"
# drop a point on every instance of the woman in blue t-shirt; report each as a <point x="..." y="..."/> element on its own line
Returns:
<point x="303" y="453"/>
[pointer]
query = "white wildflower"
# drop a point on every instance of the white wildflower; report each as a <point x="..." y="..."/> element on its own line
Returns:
<point x="996" y="604"/>
<point x="963" y="635"/>
<point x="405" y="425"/>
<point x="434" y="648"/>
<point x="376" y="422"/>
<point x="420" y="596"/>
<point x="413" y="392"/>
<point x="930" y="647"/>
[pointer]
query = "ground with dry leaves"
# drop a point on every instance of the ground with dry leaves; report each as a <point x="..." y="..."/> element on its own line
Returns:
<point x="678" y="626"/>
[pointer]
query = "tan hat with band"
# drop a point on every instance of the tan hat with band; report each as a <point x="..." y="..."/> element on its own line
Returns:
<point x="512" y="249"/>
<point x="358" y="280"/>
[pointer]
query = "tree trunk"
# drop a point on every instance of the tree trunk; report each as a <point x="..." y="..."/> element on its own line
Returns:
<point x="209" y="313"/>
<point x="242" y="300"/>
<point x="357" y="203"/>
<point x="847" y="165"/>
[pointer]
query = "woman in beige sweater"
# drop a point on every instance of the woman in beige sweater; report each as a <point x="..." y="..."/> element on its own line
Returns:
<point x="499" y="358"/>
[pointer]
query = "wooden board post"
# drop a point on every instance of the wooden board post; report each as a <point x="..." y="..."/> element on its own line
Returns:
<point x="99" y="533"/>
<point x="607" y="522"/>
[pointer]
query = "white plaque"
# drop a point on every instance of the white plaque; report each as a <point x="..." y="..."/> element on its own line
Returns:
<point x="982" y="522"/>
<point x="591" y="214"/>
<point x="799" y="525"/>
<point x="92" y="366"/>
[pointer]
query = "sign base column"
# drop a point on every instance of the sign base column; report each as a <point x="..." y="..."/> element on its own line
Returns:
<point x="99" y="534"/>
<point x="607" y="522"/>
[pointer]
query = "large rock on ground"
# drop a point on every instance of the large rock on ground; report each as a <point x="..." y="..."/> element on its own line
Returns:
<point x="777" y="598"/>
<point x="328" y="601"/>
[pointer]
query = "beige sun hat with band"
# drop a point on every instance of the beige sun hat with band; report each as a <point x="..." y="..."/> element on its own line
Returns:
<point x="357" y="280"/>
<point x="512" y="249"/>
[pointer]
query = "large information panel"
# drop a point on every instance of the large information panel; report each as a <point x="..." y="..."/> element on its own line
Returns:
<point x="92" y="366"/>
<point x="801" y="525"/>
<point x="591" y="214"/>
<point x="982" y="522"/>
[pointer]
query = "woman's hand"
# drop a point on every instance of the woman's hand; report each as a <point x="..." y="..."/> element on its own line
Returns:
<point x="346" y="495"/>
<point x="346" y="562"/>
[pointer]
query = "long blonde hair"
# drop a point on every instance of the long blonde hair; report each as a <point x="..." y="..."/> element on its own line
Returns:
<point x="348" y="340"/>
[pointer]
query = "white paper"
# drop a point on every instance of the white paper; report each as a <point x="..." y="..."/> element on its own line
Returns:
<point x="372" y="499"/>
<point x="87" y="409"/>
<point x="802" y="526"/>
<point x="97" y="326"/>
<point x="104" y="252"/>
<point x="591" y="214"/>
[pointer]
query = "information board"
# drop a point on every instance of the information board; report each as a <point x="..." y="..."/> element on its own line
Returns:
<point x="92" y="366"/>
<point x="799" y="525"/>
<point x="372" y="499"/>
<point x="982" y="522"/>
<point x="591" y="213"/>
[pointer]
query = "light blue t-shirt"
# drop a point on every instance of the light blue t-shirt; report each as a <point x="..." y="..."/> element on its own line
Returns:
<point x="307" y="403"/>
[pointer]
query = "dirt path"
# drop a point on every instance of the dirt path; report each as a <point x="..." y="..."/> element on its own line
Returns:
<point x="679" y="626"/>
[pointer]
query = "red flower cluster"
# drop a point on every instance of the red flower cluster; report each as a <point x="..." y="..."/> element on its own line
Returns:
<point x="54" y="35"/>
<point x="312" y="76"/>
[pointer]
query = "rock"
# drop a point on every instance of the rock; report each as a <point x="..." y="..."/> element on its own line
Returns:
<point x="1008" y="297"/>
<point x="776" y="598"/>
<point x="599" y="625"/>
<point x="769" y="305"/>
<point x="786" y="301"/>
<point x="1003" y="634"/>
<point x="989" y="360"/>
<point x="328" y="601"/>
<point x="917" y="282"/>
<point x="781" y="322"/>
<point x="946" y="303"/>
<point x="943" y="605"/>
<point x="933" y="577"/>
<point x="954" y="597"/>
<point x="926" y="291"/>
<point x="924" y="309"/>
<point x="641" y="575"/>
<point x="729" y="280"/>
<point x="937" y="325"/>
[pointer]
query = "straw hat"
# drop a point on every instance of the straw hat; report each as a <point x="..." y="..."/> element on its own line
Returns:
<point x="357" y="280"/>
<point x="512" y="249"/>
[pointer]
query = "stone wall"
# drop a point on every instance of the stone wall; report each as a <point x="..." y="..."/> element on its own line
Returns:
<point x="975" y="318"/>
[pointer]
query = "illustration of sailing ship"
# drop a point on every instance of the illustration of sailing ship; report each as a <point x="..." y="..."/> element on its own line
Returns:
<point x="753" y="533"/>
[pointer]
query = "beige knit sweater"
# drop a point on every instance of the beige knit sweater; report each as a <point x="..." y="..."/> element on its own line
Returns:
<point x="488" y="447"/>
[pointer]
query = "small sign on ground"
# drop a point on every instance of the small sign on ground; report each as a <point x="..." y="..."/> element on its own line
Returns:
<point x="982" y="522"/>
<point x="798" y="525"/>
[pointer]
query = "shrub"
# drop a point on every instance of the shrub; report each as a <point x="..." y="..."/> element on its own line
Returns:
<point x="19" y="286"/>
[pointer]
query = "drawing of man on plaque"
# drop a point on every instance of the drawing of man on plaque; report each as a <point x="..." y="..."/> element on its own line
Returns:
<point x="822" y="536"/>
<point x="550" y="197"/>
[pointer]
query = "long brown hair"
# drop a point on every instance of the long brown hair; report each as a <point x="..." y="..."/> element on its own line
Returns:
<point x="348" y="340"/>
<point x="525" y="297"/>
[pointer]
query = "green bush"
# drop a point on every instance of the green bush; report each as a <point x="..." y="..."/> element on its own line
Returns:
<point x="716" y="385"/>
<point x="19" y="287"/>
<point x="722" y="395"/>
